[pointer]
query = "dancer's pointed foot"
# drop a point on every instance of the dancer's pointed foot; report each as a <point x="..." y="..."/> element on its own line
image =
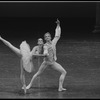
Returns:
<point x="24" y="87"/>
<point x="27" y="87"/>
<point x="61" y="89"/>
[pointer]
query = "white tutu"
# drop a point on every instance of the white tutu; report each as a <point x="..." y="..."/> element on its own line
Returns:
<point x="26" y="57"/>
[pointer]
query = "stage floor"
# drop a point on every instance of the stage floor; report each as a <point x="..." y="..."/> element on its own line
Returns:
<point x="81" y="60"/>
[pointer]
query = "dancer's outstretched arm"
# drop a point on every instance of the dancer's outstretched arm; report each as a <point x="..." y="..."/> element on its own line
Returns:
<point x="33" y="53"/>
<point x="16" y="50"/>
<point x="33" y="50"/>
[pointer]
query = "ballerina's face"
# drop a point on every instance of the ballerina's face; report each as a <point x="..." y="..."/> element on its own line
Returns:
<point x="40" y="41"/>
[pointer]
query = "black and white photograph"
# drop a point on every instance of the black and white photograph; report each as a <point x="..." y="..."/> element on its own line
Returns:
<point x="50" y="49"/>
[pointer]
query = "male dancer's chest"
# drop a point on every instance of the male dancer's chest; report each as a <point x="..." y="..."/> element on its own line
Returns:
<point x="50" y="51"/>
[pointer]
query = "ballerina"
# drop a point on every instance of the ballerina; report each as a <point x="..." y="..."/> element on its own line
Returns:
<point x="25" y="55"/>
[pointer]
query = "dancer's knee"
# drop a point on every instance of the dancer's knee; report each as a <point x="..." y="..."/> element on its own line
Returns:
<point x="64" y="72"/>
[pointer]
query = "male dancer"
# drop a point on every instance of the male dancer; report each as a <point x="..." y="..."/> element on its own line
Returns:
<point x="50" y="59"/>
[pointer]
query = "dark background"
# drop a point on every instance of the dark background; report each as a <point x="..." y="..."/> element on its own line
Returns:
<point x="30" y="20"/>
<point x="81" y="60"/>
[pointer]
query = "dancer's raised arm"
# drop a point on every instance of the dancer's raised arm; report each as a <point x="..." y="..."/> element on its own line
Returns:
<point x="57" y="32"/>
<point x="13" y="48"/>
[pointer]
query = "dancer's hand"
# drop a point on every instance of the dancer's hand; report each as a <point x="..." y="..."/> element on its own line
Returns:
<point x="46" y="55"/>
<point x="58" y="22"/>
<point x="0" y="37"/>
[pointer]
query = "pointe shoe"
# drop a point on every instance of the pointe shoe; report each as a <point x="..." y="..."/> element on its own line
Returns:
<point x="28" y="87"/>
<point x="61" y="89"/>
<point x="24" y="87"/>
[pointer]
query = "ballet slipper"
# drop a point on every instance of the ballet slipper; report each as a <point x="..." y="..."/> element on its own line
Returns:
<point x="61" y="89"/>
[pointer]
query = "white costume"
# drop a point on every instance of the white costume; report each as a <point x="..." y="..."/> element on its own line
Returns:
<point x="26" y="57"/>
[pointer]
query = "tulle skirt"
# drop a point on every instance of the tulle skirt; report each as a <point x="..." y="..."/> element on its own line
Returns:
<point x="28" y="64"/>
<point x="26" y="57"/>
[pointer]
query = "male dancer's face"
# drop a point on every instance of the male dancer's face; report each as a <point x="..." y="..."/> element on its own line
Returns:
<point x="47" y="37"/>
